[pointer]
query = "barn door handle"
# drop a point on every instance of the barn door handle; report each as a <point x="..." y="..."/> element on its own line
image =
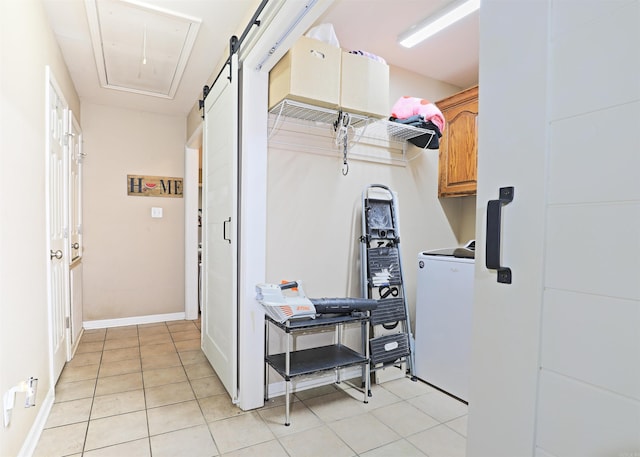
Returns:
<point x="224" y="230"/>
<point x="494" y="222"/>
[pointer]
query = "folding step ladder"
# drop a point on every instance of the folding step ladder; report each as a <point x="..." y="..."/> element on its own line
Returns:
<point x="391" y="342"/>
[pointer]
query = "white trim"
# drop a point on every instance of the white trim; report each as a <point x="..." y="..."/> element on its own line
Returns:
<point x="195" y="140"/>
<point x="74" y="348"/>
<point x="137" y="320"/>
<point x="31" y="441"/>
<point x="190" y="190"/>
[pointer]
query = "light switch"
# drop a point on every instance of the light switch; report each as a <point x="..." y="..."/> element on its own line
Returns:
<point x="156" y="212"/>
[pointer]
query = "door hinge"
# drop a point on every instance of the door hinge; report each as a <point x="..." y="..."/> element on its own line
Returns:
<point x="66" y="322"/>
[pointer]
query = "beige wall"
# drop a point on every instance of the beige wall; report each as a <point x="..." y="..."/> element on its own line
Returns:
<point x="133" y="264"/>
<point x="313" y="219"/>
<point x="27" y="45"/>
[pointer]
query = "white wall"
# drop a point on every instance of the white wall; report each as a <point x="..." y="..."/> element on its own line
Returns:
<point x="27" y="45"/>
<point x="133" y="264"/>
<point x="313" y="212"/>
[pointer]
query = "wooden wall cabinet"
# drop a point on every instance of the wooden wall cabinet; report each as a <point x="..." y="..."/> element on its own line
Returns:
<point x="458" y="163"/>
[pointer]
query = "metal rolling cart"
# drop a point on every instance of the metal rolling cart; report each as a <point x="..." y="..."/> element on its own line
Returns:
<point x="292" y="364"/>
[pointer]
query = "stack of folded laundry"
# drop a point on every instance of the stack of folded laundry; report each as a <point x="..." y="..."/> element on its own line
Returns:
<point x="421" y="113"/>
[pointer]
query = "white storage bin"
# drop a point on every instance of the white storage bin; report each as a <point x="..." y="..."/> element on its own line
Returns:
<point x="364" y="86"/>
<point x="309" y="72"/>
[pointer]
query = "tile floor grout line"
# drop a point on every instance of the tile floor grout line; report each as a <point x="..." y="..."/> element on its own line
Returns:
<point x="144" y="394"/>
<point x="93" y="397"/>
<point x="206" y="423"/>
<point x="324" y="423"/>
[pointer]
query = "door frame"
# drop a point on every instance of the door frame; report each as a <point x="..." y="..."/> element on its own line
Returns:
<point x="191" y="190"/>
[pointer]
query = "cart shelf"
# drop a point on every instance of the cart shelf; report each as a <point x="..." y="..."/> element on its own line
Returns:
<point x="315" y="360"/>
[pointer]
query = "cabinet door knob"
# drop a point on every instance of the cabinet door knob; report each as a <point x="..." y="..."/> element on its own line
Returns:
<point x="56" y="254"/>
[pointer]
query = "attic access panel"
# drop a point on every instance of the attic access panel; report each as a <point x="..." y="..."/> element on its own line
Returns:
<point x="140" y="48"/>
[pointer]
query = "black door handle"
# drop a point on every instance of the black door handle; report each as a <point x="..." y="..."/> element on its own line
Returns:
<point x="224" y="230"/>
<point x="494" y="222"/>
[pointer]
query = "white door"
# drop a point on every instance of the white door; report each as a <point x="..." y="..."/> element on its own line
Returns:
<point x="555" y="367"/>
<point x="76" y="157"/>
<point x="75" y="187"/>
<point x="219" y="231"/>
<point x="58" y="274"/>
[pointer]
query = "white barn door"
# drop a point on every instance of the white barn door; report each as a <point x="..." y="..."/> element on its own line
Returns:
<point x="555" y="367"/>
<point x="220" y="228"/>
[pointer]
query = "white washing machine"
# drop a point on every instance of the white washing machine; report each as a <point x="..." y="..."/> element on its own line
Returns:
<point x="444" y="299"/>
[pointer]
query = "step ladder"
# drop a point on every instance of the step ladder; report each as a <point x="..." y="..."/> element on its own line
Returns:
<point x="391" y="343"/>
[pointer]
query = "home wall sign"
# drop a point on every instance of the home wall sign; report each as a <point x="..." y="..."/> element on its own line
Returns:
<point x="154" y="186"/>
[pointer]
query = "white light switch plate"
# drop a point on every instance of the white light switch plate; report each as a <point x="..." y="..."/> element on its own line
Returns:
<point x="156" y="212"/>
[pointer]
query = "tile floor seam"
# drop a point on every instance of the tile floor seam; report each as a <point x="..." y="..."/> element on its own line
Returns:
<point x="144" y="393"/>
<point x="199" y="405"/>
<point x="93" y="399"/>
<point x="324" y="422"/>
<point x="451" y="428"/>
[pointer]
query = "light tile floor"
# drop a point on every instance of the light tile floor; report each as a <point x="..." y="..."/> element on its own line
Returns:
<point x="148" y="390"/>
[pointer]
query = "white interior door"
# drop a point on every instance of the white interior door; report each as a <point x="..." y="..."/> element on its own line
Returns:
<point x="58" y="274"/>
<point x="76" y="157"/>
<point x="555" y="353"/>
<point x="219" y="231"/>
<point x="75" y="187"/>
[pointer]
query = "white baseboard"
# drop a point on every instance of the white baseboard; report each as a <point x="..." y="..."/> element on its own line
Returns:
<point x="31" y="441"/>
<point x="278" y="388"/>
<point x="137" y="320"/>
<point x="76" y="343"/>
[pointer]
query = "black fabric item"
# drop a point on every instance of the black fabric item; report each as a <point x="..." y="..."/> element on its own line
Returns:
<point x="427" y="140"/>
<point x="413" y="120"/>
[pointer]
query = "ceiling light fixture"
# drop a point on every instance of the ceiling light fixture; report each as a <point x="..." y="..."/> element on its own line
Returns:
<point x="144" y="46"/>
<point x="438" y="22"/>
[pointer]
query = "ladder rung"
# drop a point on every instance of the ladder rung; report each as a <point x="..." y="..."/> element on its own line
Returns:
<point x="388" y="310"/>
<point x="389" y="348"/>
<point x="384" y="266"/>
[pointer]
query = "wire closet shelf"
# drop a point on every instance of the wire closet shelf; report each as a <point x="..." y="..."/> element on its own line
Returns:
<point x="365" y="127"/>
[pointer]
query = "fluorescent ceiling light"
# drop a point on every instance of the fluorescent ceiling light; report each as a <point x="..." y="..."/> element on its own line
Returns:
<point x="436" y="23"/>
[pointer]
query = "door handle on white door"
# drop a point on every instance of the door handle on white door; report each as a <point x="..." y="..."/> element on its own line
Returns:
<point x="56" y="254"/>
<point x="224" y="230"/>
<point x="494" y="222"/>
<point x="75" y="245"/>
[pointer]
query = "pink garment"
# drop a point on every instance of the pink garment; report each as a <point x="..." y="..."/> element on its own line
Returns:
<point x="407" y="106"/>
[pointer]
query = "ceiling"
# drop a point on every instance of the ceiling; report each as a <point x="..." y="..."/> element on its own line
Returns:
<point x="171" y="36"/>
